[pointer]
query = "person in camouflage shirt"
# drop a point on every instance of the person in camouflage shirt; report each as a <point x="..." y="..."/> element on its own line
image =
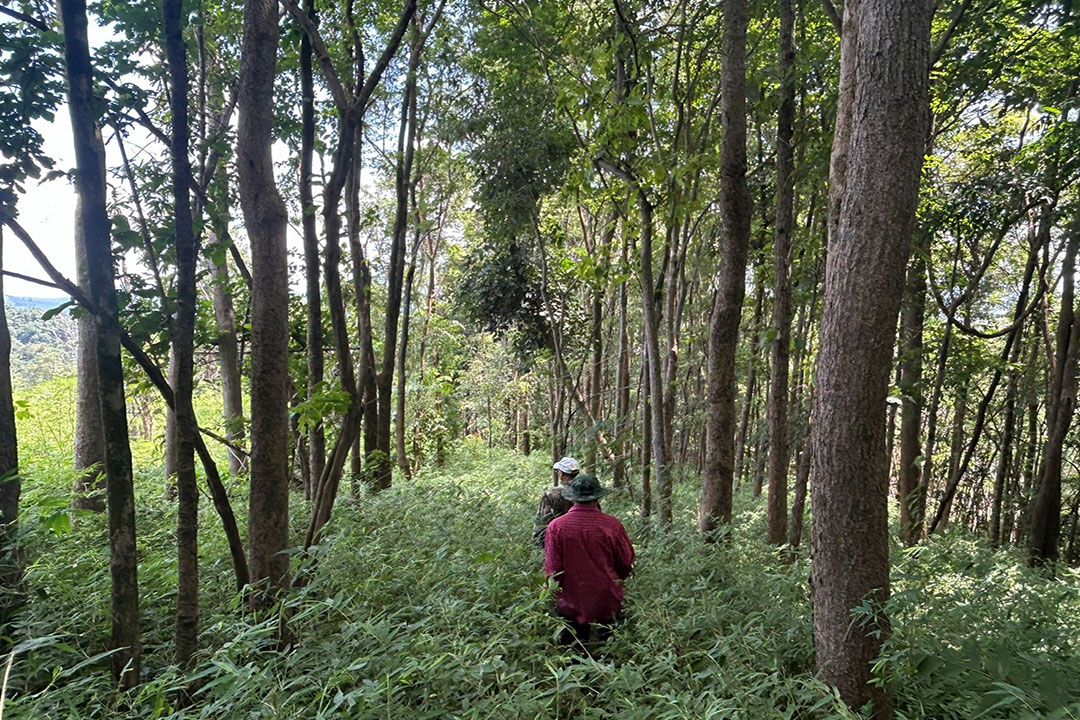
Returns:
<point x="552" y="502"/>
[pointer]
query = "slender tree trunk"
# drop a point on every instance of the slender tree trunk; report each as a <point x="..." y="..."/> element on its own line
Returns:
<point x="798" y="505"/>
<point x="1008" y="435"/>
<point x="11" y="562"/>
<point x="1046" y="510"/>
<point x="919" y="514"/>
<point x="646" y="444"/>
<point x="622" y="389"/>
<point x="89" y="489"/>
<point x="735" y="209"/>
<point x="172" y="452"/>
<point x="912" y="393"/>
<point x="751" y="383"/>
<point x="1026" y="467"/>
<point x="776" y="532"/>
<point x="526" y="435"/>
<point x="399" y="418"/>
<point x="382" y="470"/>
<point x="661" y="451"/>
<point x="315" y="359"/>
<point x="266" y="219"/>
<point x="984" y="405"/>
<point x="228" y="356"/>
<point x="956" y="453"/>
<point x="864" y="283"/>
<point x="183" y="335"/>
<point x="596" y="378"/>
<point x="120" y="491"/>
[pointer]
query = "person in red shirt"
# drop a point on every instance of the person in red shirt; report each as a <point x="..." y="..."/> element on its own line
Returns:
<point x="589" y="554"/>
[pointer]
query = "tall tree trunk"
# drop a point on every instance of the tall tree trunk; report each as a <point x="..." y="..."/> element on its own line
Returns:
<point x="381" y="473"/>
<point x="646" y="442"/>
<point x="89" y="489"/>
<point x="596" y="378"/>
<point x="1046" y="510"/>
<point x="183" y="342"/>
<point x="735" y="209"/>
<point x="315" y="359"/>
<point x="867" y="256"/>
<point x="798" y="505"/>
<point x="1008" y="435"/>
<point x="922" y="491"/>
<point x="776" y="532"/>
<point x="956" y="454"/>
<point x="232" y="388"/>
<point x="11" y="564"/>
<point x="622" y="387"/>
<point x="661" y="451"/>
<point x="266" y="219"/>
<point x="751" y="382"/>
<point x="120" y="491"/>
<point x="911" y="348"/>
<point x="399" y="415"/>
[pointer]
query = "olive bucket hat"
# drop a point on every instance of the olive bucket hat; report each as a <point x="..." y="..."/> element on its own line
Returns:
<point x="585" y="488"/>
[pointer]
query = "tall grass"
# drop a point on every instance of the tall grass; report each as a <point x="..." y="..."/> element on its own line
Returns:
<point x="428" y="601"/>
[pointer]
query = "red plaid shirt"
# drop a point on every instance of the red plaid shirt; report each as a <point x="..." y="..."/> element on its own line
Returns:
<point x="590" y="554"/>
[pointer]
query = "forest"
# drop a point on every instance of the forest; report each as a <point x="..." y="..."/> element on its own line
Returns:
<point x="794" y="279"/>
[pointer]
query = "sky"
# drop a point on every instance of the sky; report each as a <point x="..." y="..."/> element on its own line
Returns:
<point x="47" y="212"/>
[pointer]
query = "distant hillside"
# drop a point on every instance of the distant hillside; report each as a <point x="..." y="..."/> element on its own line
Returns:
<point x="33" y="303"/>
<point x="40" y="349"/>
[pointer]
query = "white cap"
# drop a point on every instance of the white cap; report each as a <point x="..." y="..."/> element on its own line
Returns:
<point x="567" y="465"/>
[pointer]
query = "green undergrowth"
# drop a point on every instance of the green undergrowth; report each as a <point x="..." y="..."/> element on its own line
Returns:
<point x="428" y="601"/>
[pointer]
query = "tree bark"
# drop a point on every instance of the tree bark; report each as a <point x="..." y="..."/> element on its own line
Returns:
<point x="315" y="360"/>
<point x="1008" y="435"/>
<point x="661" y="451"/>
<point x="89" y="489"/>
<point x="11" y="562"/>
<point x="266" y="219"/>
<point x="1044" y="542"/>
<point x="381" y="472"/>
<point x="228" y="355"/>
<point x="399" y="415"/>
<point x="622" y="386"/>
<point x="798" y="505"/>
<point x="183" y="342"/>
<point x="735" y="209"/>
<point x="867" y="255"/>
<point x="912" y="393"/>
<point x="751" y="382"/>
<point x="776" y="531"/>
<point x="120" y="491"/>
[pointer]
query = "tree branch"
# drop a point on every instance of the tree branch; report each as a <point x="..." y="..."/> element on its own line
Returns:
<point x="144" y="119"/>
<point x="834" y="16"/>
<point x="330" y="75"/>
<point x="943" y="43"/>
<point x="157" y="378"/>
<point x="372" y="80"/>
<point x="27" y="278"/>
<point x="28" y="19"/>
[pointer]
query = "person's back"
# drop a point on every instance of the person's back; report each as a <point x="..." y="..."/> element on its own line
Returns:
<point x="590" y="554"/>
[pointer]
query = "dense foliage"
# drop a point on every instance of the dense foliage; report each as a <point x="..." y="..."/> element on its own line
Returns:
<point x="443" y="612"/>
